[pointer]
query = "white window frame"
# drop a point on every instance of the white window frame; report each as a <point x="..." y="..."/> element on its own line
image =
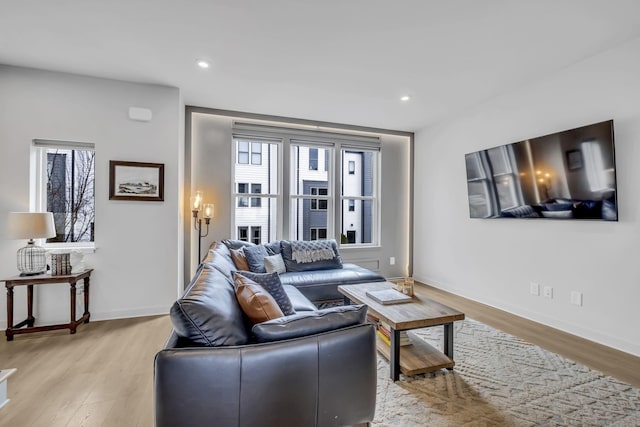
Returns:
<point x="335" y="142"/>
<point x="38" y="198"/>
<point x="374" y="198"/>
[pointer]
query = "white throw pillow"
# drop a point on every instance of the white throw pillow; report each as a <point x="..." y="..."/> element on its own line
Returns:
<point x="274" y="263"/>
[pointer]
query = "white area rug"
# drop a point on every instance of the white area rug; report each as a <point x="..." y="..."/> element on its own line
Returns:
<point x="500" y="380"/>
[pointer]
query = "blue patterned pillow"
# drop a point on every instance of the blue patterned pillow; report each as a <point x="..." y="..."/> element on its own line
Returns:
<point x="271" y="282"/>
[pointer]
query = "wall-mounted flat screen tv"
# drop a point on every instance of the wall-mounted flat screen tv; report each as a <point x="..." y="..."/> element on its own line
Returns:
<point x="565" y="175"/>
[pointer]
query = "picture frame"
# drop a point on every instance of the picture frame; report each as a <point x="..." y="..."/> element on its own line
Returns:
<point x="574" y="160"/>
<point x="136" y="181"/>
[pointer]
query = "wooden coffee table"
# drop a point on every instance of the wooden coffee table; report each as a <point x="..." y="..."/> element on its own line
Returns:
<point x="418" y="357"/>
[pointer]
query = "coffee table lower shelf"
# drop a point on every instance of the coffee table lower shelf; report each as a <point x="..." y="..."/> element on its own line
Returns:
<point x="417" y="358"/>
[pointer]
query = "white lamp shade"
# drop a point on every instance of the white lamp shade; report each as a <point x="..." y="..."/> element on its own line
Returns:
<point x="30" y="225"/>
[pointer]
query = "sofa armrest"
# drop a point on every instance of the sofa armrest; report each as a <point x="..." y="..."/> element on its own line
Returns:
<point x="298" y="382"/>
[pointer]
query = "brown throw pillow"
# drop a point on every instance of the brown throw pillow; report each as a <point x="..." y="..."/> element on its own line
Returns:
<point x="237" y="255"/>
<point x="256" y="303"/>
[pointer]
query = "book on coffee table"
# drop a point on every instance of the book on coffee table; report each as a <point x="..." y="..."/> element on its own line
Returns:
<point x="388" y="296"/>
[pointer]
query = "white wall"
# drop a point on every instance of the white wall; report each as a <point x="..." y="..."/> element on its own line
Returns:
<point x="138" y="261"/>
<point x="493" y="261"/>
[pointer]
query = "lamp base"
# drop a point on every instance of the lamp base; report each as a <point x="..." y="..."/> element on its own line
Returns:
<point x="31" y="259"/>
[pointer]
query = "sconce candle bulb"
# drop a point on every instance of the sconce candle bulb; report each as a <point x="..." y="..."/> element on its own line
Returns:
<point x="207" y="213"/>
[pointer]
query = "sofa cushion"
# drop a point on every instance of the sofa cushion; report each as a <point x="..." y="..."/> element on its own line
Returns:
<point x="237" y="255"/>
<point x="220" y="259"/>
<point x="298" y="301"/>
<point x="314" y="255"/>
<point x="208" y="314"/>
<point x="271" y="282"/>
<point x="274" y="263"/>
<point x="309" y="323"/>
<point x="256" y="303"/>
<point x="321" y="285"/>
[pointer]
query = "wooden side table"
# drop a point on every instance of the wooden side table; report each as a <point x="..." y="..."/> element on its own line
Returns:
<point x="45" y="279"/>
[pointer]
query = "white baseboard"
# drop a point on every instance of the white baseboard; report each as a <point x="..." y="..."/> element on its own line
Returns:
<point x="109" y="315"/>
<point x="544" y="319"/>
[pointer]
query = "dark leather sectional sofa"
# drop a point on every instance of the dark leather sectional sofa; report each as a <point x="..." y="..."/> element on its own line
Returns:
<point x="311" y="368"/>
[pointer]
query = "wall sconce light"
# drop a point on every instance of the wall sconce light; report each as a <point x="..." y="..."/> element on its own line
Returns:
<point x="31" y="225"/>
<point x="544" y="180"/>
<point x="207" y="213"/>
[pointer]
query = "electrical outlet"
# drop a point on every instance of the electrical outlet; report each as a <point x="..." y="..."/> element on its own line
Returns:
<point x="576" y="298"/>
<point x="548" y="292"/>
<point x="392" y="260"/>
<point x="534" y="288"/>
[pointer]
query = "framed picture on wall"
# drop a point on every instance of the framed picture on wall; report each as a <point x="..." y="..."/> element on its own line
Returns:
<point x="136" y="181"/>
<point x="574" y="160"/>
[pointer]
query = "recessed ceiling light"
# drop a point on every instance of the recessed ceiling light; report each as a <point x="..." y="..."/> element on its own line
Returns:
<point x="203" y="64"/>
<point x="405" y="98"/>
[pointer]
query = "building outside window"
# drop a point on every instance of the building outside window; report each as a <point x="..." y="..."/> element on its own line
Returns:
<point x="352" y="205"/>
<point x="256" y="235"/>
<point x="352" y="167"/>
<point x="249" y="150"/>
<point x="313" y="159"/>
<point x="243" y="233"/>
<point x="243" y="188"/>
<point x="318" y="234"/>
<point x="65" y="186"/>
<point x="319" y="204"/>
<point x="256" y="202"/>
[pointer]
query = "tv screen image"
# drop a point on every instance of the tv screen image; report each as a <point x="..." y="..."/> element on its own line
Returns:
<point x="565" y="175"/>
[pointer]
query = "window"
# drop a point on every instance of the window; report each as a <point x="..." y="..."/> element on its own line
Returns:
<point x="318" y="234"/>
<point x="256" y="202"/>
<point x="243" y="233"/>
<point x="313" y="159"/>
<point x="243" y="188"/>
<point x="319" y="204"/>
<point x="323" y="200"/>
<point x="256" y="186"/>
<point x="245" y="148"/>
<point x="243" y="152"/>
<point x="361" y="190"/>
<point x="256" y="232"/>
<point x="310" y="199"/>
<point x="65" y="185"/>
<point x="256" y="153"/>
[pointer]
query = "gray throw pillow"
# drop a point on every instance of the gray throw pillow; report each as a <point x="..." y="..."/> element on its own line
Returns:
<point x="271" y="282"/>
<point x="255" y="258"/>
<point x="309" y="322"/>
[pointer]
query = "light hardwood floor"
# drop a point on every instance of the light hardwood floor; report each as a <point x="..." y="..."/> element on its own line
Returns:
<point x="103" y="375"/>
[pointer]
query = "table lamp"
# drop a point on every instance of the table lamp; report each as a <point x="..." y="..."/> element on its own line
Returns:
<point x="31" y="225"/>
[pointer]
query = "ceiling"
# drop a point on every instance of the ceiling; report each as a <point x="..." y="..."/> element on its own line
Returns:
<point x="344" y="61"/>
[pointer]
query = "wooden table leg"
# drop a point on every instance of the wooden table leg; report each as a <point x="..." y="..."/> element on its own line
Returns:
<point x="394" y="355"/>
<point x="30" y="319"/>
<point x="72" y="322"/>
<point x="86" y="300"/>
<point x="9" y="332"/>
